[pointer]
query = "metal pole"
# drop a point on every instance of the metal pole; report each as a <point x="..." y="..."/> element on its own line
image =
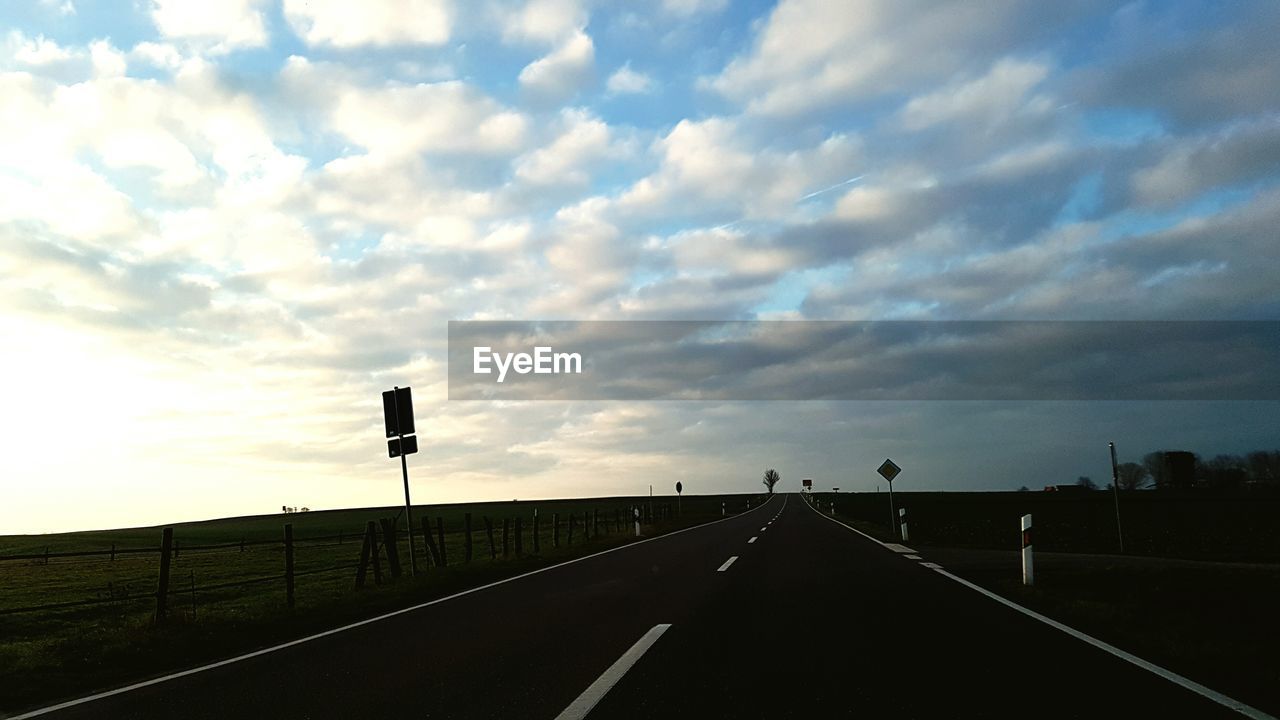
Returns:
<point x="1028" y="569"/>
<point x="1115" y="487"/>
<point x="893" y="515"/>
<point x="404" y="471"/>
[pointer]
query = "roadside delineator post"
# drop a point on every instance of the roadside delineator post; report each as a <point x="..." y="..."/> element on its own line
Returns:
<point x="636" y="512"/>
<point x="902" y="523"/>
<point x="1028" y="571"/>
<point x="721" y="509"/>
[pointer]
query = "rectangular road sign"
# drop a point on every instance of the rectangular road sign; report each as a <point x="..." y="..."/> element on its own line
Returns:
<point x="410" y="446"/>
<point x="399" y="400"/>
<point x="807" y="482"/>
<point x="888" y="470"/>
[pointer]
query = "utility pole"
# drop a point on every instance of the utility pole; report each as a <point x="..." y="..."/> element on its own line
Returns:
<point x="1115" y="488"/>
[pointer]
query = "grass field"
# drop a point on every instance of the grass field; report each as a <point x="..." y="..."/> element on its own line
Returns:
<point x="239" y="600"/>
<point x="1189" y="524"/>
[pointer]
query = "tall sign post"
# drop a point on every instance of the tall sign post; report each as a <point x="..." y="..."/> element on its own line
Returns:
<point x="1115" y="487"/>
<point x="888" y="470"/>
<point x="397" y="412"/>
<point x="679" y="490"/>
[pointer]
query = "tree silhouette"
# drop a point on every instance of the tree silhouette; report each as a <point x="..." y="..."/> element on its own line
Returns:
<point x="771" y="478"/>
<point x="1132" y="476"/>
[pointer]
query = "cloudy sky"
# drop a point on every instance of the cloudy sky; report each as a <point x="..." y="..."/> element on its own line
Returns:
<point x="225" y="227"/>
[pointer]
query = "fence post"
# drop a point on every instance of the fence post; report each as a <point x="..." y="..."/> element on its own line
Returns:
<point x="617" y="520"/>
<point x="162" y="589"/>
<point x="466" y="524"/>
<point x="372" y="530"/>
<point x="444" y="551"/>
<point x="1028" y="570"/>
<point x="569" y="540"/>
<point x="537" y="546"/>
<point x="113" y="552"/>
<point x="428" y="539"/>
<point x="488" y="529"/>
<point x="902" y="523"/>
<point x="555" y="529"/>
<point x="506" y="545"/>
<point x="389" y="542"/>
<point x="519" y="537"/>
<point x="288" y="564"/>
<point x="364" y="561"/>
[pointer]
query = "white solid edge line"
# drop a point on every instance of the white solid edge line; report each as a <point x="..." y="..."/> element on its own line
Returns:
<point x="727" y="563"/>
<point x="579" y="708"/>
<point x="1169" y="675"/>
<point x="753" y="539"/>
<point x="265" y="651"/>
<point x="1173" y="677"/>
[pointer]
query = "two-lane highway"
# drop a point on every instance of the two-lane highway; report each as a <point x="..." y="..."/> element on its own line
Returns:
<point x="778" y="612"/>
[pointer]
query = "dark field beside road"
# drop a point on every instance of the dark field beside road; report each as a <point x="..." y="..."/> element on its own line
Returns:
<point x="1211" y="525"/>
<point x="1196" y="590"/>
<point x="59" y="652"/>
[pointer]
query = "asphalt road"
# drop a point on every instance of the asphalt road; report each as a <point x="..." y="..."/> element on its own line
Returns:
<point x="810" y="620"/>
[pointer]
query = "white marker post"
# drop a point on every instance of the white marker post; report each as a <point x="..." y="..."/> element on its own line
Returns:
<point x="721" y="509"/>
<point x="902" y="523"/>
<point x="636" y="513"/>
<point x="1028" y="571"/>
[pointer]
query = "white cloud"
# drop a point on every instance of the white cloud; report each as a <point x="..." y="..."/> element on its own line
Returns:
<point x="625" y="81"/>
<point x="63" y="7"/>
<point x="815" y="53"/>
<point x="37" y="51"/>
<point x="711" y="168"/>
<point x="560" y="74"/>
<point x="448" y="117"/>
<point x="687" y="8"/>
<point x="219" y="26"/>
<point x="985" y="101"/>
<point x="107" y="60"/>
<point x="161" y="55"/>
<point x="568" y="159"/>
<point x="342" y="24"/>
<point x="542" y="21"/>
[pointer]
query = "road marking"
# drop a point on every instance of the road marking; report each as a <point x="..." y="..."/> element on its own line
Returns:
<point x="766" y="527"/>
<point x="931" y="566"/>
<point x="753" y="539"/>
<point x="898" y="548"/>
<point x="1169" y="675"/>
<point x="1228" y="702"/>
<point x="266" y="651"/>
<point x="727" y="563"/>
<point x="579" y="708"/>
<point x="913" y="557"/>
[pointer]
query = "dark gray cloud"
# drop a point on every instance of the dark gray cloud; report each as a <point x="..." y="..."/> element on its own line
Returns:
<point x="886" y="360"/>
<point x="1195" y="64"/>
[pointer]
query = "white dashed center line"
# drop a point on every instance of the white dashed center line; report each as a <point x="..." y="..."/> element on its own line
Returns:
<point x="753" y="539"/>
<point x="727" y="563"/>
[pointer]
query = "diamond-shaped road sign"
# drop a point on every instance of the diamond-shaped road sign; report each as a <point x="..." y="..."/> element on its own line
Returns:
<point x="888" y="470"/>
